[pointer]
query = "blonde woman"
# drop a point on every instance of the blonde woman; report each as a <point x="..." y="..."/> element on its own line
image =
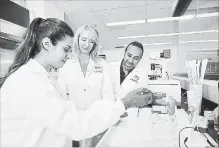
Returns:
<point x="85" y="76"/>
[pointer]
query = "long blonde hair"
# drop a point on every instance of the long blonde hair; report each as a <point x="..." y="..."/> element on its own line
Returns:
<point x="93" y="32"/>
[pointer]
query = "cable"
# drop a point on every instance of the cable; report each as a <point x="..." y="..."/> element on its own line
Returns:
<point x="186" y="139"/>
<point x="209" y="140"/>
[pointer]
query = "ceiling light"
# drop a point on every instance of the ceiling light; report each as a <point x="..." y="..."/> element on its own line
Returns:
<point x="207" y="14"/>
<point x="167" y="34"/>
<point x="181" y="42"/>
<point x="170" y="18"/>
<point x="163" y="19"/>
<point x="183" y="17"/>
<point x="186" y="17"/>
<point x="201" y="53"/>
<point x="125" y="23"/>
<point x="199" y="41"/>
<point x="194" y="32"/>
<point x="203" y="49"/>
<point x="157" y="35"/>
<point x="158" y="43"/>
<point x="132" y="37"/>
<point x="154" y="44"/>
<point x="208" y="41"/>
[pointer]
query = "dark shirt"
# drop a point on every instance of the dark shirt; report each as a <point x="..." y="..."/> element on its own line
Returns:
<point x="122" y="73"/>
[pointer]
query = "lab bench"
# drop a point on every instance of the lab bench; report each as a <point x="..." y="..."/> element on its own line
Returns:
<point x="153" y="130"/>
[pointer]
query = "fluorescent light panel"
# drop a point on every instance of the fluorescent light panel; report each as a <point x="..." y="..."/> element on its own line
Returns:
<point x="158" y="44"/>
<point x="167" y="34"/>
<point x="170" y="18"/>
<point x="154" y="44"/>
<point x="182" y="42"/>
<point x="196" y="32"/>
<point x="201" y="53"/>
<point x="207" y="14"/>
<point x="125" y="23"/>
<point x="202" y="49"/>
<point x="157" y="35"/>
<point x="208" y="41"/>
<point x="167" y="43"/>
<point x="186" y="17"/>
<point x="198" y="41"/>
<point x="132" y="37"/>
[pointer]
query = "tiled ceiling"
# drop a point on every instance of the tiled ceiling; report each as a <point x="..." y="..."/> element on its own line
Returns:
<point x="102" y="12"/>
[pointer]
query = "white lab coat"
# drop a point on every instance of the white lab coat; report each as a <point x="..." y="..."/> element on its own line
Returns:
<point x="84" y="91"/>
<point x="138" y="78"/>
<point x="34" y="113"/>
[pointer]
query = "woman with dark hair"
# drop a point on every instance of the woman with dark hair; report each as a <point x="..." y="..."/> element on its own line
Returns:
<point x="34" y="111"/>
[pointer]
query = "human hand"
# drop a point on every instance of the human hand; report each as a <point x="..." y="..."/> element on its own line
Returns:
<point x="138" y="97"/>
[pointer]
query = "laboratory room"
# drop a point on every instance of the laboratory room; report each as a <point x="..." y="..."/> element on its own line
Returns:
<point x="124" y="73"/>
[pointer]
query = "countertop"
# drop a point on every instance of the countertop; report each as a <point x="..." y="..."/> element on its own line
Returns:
<point x="206" y="77"/>
<point x="164" y="82"/>
<point x="152" y="130"/>
<point x="205" y="81"/>
<point x="210" y="89"/>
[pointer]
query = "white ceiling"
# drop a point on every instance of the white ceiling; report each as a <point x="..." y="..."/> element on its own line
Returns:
<point x="102" y="12"/>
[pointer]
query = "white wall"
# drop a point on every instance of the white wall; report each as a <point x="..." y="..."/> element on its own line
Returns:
<point x="203" y="50"/>
<point x="170" y="64"/>
<point x="44" y="9"/>
<point x="67" y="20"/>
<point x="51" y="10"/>
<point x="113" y="55"/>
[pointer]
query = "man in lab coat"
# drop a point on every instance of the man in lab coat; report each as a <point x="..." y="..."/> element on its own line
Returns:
<point x="126" y="74"/>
